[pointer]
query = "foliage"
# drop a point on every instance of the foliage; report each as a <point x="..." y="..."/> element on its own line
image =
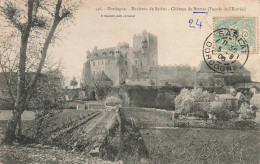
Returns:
<point x="102" y="91"/>
<point x="195" y="101"/>
<point x="164" y="100"/>
<point x="246" y="112"/>
<point x="120" y="93"/>
<point x="113" y="101"/>
<point x="49" y="93"/>
<point x="124" y="97"/>
<point x="152" y="96"/>
<point x="245" y="124"/>
<point x="73" y="82"/>
<point x="218" y="108"/>
<point x="176" y="115"/>
<point x="100" y="88"/>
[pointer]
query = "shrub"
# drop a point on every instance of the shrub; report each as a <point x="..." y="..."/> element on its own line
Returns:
<point x="124" y="97"/>
<point x="234" y="114"/>
<point x="164" y="100"/>
<point x="176" y="115"/>
<point x="201" y="114"/>
<point x="245" y="124"/>
<point x="101" y="90"/>
<point x="195" y="101"/>
<point x="181" y="124"/>
<point x="246" y="112"/>
<point x="219" y="110"/>
<point x="113" y="101"/>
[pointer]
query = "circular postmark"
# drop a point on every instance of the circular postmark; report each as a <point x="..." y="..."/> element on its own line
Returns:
<point x="224" y="51"/>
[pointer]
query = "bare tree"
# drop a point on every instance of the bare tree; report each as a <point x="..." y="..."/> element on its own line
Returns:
<point x="36" y="23"/>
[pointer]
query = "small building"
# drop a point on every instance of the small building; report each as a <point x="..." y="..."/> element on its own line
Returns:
<point x="208" y="78"/>
<point x="101" y="77"/>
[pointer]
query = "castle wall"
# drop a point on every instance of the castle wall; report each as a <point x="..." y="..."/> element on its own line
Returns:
<point x="87" y="74"/>
<point x="153" y="50"/>
<point x="112" y="71"/>
<point x="174" y="75"/>
<point x="110" y="68"/>
<point x="97" y="66"/>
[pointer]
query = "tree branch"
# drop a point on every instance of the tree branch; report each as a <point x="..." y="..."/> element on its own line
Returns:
<point x="8" y="84"/>
<point x="10" y="12"/>
<point x="65" y="14"/>
<point x="46" y="44"/>
<point x="6" y="100"/>
<point x="39" y="22"/>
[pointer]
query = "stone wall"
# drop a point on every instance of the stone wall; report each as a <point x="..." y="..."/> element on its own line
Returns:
<point x="174" y="75"/>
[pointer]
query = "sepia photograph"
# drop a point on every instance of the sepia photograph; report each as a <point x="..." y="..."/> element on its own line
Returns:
<point x="135" y="82"/>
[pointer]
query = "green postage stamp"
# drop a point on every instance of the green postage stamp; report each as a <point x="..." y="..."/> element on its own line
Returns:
<point x="246" y="27"/>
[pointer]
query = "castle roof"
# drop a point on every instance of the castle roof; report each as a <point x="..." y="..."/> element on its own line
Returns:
<point x="204" y="68"/>
<point x="101" y="76"/>
<point x="106" y="49"/>
<point x="103" y="53"/>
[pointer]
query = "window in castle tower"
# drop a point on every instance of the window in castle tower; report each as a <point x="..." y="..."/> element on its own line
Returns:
<point x="125" y="62"/>
<point x="126" y="73"/>
<point x="141" y="64"/>
<point x="136" y="62"/>
<point x="93" y="63"/>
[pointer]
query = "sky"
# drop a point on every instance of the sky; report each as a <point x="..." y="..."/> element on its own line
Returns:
<point x="177" y="42"/>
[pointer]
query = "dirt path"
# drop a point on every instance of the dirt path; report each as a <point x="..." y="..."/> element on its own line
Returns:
<point x="84" y="137"/>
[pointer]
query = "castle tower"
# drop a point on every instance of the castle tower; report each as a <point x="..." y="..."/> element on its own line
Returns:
<point x="147" y="42"/>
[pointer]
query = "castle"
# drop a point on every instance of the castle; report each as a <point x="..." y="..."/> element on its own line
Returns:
<point x="138" y="65"/>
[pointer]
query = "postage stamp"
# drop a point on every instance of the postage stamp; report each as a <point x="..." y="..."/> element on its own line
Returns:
<point x="225" y="51"/>
<point x="246" y="27"/>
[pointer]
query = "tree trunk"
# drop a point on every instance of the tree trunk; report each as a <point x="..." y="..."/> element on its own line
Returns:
<point x="11" y="128"/>
<point x="21" y="93"/>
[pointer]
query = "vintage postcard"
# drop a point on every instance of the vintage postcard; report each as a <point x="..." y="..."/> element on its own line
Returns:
<point x="159" y="81"/>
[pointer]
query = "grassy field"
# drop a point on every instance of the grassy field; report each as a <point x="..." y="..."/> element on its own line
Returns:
<point x="145" y="117"/>
<point x="45" y="155"/>
<point x="168" y="144"/>
<point x="199" y="145"/>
